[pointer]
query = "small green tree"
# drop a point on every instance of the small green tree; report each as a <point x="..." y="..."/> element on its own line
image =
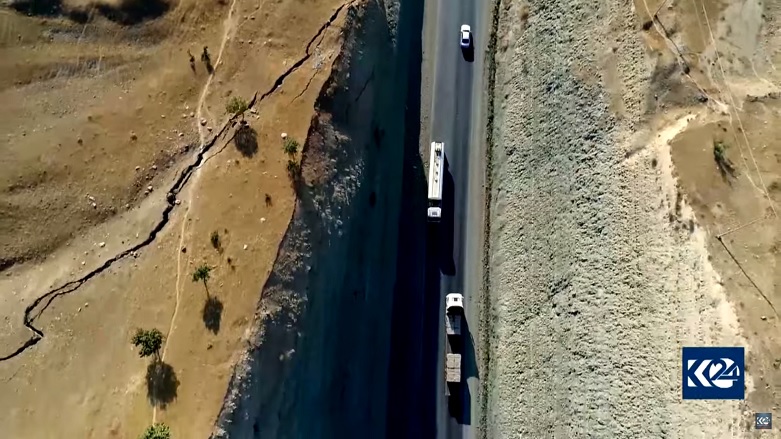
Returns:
<point x="149" y="342"/>
<point x="236" y="106"/>
<point x="290" y="146"/>
<point x="202" y="273"/>
<point x="157" y="431"/>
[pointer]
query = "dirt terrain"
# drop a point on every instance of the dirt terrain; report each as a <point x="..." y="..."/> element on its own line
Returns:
<point x="636" y="186"/>
<point x="120" y="164"/>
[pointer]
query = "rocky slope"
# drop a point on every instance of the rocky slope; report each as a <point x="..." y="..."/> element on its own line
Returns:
<point x="318" y="361"/>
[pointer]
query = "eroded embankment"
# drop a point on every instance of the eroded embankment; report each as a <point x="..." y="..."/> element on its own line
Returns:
<point x="318" y="360"/>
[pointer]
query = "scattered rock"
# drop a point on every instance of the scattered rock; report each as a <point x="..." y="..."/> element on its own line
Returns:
<point x="245" y="246"/>
<point x="162" y="116"/>
<point x="149" y="188"/>
<point x="178" y="202"/>
<point x="83" y="263"/>
<point x="94" y="205"/>
<point x="154" y="167"/>
<point x="133" y="136"/>
<point x="90" y="197"/>
<point x="86" y="304"/>
<point x="253" y="111"/>
<point x="181" y="134"/>
<point x="284" y="135"/>
<point x="203" y="122"/>
<point x="763" y="318"/>
<point x="102" y="244"/>
<point x="263" y="220"/>
<point x="184" y="249"/>
<point x="192" y="114"/>
<point x="138" y="168"/>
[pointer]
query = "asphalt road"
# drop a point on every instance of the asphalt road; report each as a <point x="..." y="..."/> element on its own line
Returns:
<point x="457" y="119"/>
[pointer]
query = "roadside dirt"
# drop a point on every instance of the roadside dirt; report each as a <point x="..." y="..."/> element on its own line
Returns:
<point x="623" y="151"/>
<point x="97" y="113"/>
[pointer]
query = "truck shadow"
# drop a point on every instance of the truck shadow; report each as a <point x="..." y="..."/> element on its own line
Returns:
<point x="447" y="224"/>
<point x="460" y="403"/>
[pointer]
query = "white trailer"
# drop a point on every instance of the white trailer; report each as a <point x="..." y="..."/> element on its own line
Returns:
<point x="436" y="170"/>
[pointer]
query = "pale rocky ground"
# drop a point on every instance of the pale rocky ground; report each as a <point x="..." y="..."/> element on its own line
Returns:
<point x="604" y="258"/>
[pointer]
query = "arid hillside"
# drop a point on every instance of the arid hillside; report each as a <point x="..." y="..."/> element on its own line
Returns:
<point x="636" y="187"/>
<point x="124" y="172"/>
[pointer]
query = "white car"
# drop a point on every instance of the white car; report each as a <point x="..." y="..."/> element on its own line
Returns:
<point x="466" y="36"/>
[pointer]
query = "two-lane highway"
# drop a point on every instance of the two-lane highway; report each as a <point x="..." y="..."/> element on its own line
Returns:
<point x="457" y="119"/>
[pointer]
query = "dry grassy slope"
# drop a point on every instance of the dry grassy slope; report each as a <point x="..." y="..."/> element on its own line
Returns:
<point x="598" y="276"/>
<point x="736" y="46"/>
<point x="85" y="361"/>
<point x="74" y="94"/>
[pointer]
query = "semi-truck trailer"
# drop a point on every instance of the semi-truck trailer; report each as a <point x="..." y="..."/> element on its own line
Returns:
<point x="436" y="169"/>
<point x="454" y="312"/>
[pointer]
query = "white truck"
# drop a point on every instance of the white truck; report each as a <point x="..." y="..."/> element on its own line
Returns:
<point x="436" y="170"/>
<point x="454" y="312"/>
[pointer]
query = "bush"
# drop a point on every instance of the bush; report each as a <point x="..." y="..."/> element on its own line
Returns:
<point x="290" y="146"/>
<point x="157" y="431"/>
<point x="215" y="239"/>
<point x="236" y="106"/>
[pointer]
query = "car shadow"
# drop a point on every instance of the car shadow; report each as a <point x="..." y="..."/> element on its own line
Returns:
<point x="469" y="53"/>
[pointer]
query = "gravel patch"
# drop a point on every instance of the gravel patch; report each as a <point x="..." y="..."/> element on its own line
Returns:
<point x="594" y="288"/>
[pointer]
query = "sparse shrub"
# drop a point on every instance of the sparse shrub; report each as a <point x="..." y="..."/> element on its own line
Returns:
<point x="290" y="146"/>
<point x="215" y="239"/>
<point x="236" y="106"/>
<point x="726" y="168"/>
<point x="202" y="273"/>
<point x="719" y="151"/>
<point x="268" y="200"/>
<point x="157" y="431"/>
<point x="293" y="169"/>
<point x="149" y="341"/>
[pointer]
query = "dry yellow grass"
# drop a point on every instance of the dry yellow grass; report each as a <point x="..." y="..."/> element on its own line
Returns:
<point x="96" y="113"/>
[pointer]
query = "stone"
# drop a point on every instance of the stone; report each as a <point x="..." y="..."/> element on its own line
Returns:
<point x="102" y="244"/>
